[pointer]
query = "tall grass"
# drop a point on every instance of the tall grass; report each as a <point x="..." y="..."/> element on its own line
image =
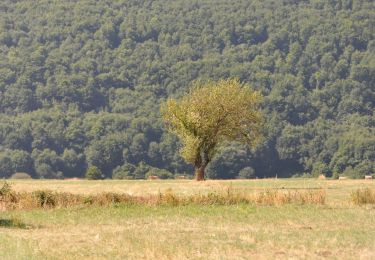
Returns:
<point x="13" y="222"/>
<point x="363" y="196"/>
<point x="10" y="199"/>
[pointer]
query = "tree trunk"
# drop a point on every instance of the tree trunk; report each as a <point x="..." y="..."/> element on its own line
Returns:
<point x="200" y="165"/>
<point x="199" y="173"/>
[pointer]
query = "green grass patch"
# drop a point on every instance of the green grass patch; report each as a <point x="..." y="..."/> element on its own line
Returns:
<point x="189" y="222"/>
<point x="13" y="222"/>
<point x="195" y="232"/>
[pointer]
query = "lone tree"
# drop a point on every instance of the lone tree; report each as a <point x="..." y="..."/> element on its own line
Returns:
<point x="211" y="114"/>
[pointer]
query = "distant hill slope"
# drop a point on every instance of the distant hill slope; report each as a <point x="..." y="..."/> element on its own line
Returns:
<point x="81" y="83"/>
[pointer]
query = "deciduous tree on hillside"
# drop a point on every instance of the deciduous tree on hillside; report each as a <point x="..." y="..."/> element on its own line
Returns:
<point x="211" y="114"/>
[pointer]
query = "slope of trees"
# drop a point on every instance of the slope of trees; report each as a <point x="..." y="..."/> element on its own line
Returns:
<point x="81" y="83"/>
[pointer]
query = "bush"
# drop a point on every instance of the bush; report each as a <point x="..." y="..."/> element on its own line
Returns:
<point x="247" y="173"/>
<point x="6" y="167"/>
<point x="352" y="173"/>
<point x="5" y="190"/>
<point x="21" y="176"/>
<point x="161" y="173"/>
<point x="93" y="173"/>
<point x="228" y="163"/>
<point x="365" y="167"/>
<point x="44" y="198"/>
<point x="125" y="171"/>
<point x="141" y="170"/>
<point x="22" y="161"/>
<point x="45" y="171"/>
<point x="320" y="168"/>
<point x="335" y="175"/>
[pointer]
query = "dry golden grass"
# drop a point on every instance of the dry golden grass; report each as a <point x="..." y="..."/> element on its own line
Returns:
<point x="205" y="228"/>
<point x="191" y="232"/>
<point x="11" y="200"/>
<point x="337" y="191"/>
<point x="363" y="196"/>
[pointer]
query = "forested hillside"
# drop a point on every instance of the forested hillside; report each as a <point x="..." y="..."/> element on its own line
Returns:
<point x="81" y="83"/>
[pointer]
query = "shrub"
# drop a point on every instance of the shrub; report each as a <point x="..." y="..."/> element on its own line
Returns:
<point x="21" y="176"/>
<point x="7" y="195"/>
<point x="44" y="198"/>
<point x="43" y="170"/>
<point x="125" y="171"/>
<point x="5" y="190"/>
<point x="365" y="167"/>
<point x="353" y="173"/>
<point x="141" y="170"/>
<point x="13" y="222"/>
<point x="161" y="173"/>
<point x="335" y="175"/>
<point x="320" y="168"/>
<point x="6" y="166"/>
<point x="93" y="173"/>
<point x="22" y="161"/>
<point x="228" y="163"/>
<point x="247" y="173"/>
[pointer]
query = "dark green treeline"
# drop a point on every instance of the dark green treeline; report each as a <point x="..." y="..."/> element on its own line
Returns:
<point x="81" y="83"/>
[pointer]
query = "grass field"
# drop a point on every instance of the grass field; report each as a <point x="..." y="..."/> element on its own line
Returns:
<point x="339" y="229"/>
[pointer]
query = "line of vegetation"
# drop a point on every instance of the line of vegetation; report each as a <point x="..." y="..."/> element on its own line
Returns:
<point x="47" y="199"/>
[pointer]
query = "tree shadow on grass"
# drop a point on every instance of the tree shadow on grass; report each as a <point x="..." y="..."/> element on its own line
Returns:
<point x="13" y="223"/>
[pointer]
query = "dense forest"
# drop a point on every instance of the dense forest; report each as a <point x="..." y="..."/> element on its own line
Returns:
<point x="81" y="83"/>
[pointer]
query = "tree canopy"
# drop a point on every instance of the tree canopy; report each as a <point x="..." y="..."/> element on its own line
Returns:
<point x="81" y="83"/>
<point x="211" y="114"/>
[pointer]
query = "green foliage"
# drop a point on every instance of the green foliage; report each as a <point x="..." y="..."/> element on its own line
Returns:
<point x="161" y="173"/>
<point x="247" y="173"/>
<point x="228" y="162"/>
<point x="6" y="166"/>
<point x="323" y="148"/>
<point x="48" y="164"/>
<point x="365" y="167"/>
<point x="353" y="173"/>
<point x="5" y="190"/>
<point x="22" y="161"/>
<point x="335" y="175"/>
<point x="211" y="114"/>
<point x="74" y="163"/>
<point x="125" y="171"/>
<point x="141" y="170"/>
<point x="44" y="198"/>
<point x="14" y="222"/>
<point x="320" y="168"/>
<point x="86" y="89"/>
<point x="93" y="173"/>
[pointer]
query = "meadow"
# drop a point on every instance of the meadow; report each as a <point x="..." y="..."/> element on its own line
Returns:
<point x="337" y="229"/>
